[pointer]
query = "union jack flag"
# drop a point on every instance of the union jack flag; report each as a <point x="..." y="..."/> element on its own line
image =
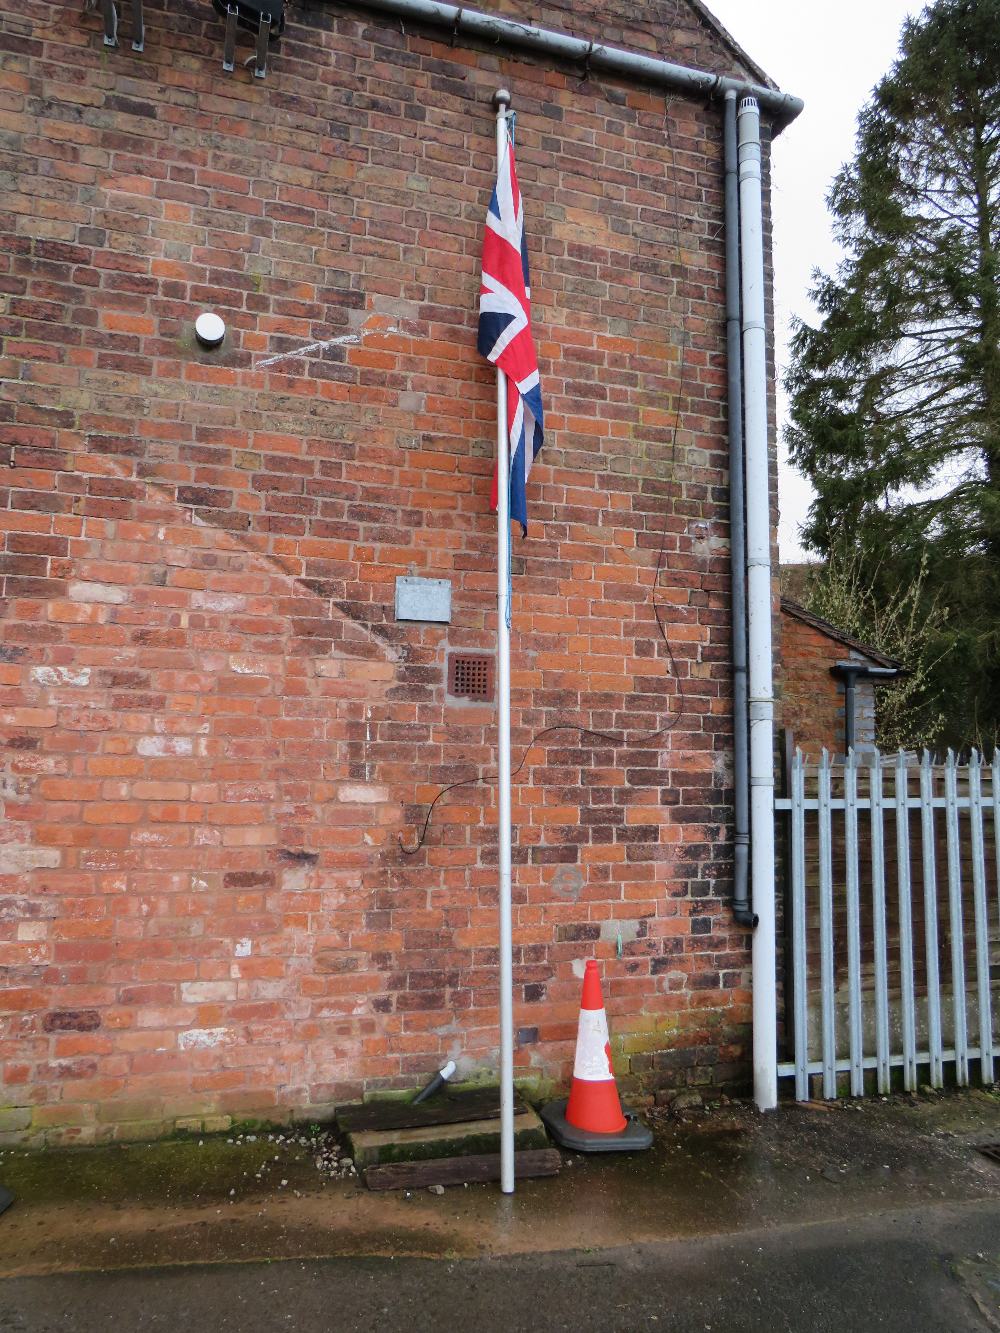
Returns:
<point x="505" y="329"/>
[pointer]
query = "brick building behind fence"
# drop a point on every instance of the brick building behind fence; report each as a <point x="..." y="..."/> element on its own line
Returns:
<point x="813" y="694"/>
<point x="216" y="732"/>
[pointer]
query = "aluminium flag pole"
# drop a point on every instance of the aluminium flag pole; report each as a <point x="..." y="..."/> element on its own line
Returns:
<point x="501" y="102"/>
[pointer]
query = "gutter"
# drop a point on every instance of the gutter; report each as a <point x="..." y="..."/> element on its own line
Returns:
<point x="631" y="65"/>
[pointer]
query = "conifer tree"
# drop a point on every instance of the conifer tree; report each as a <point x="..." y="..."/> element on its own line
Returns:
<point x="895" y="395"/>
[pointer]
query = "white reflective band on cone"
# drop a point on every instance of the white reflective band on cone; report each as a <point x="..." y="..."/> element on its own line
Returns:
<point x="593" y="1045"/>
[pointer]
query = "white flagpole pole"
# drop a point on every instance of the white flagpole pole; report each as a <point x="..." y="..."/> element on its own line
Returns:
<point x="501" y="102"/>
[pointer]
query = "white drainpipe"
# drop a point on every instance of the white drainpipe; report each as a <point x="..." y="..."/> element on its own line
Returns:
<point x="761" y="679"/>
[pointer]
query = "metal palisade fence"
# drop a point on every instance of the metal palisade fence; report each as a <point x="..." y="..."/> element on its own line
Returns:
<point x="893" y="922"/>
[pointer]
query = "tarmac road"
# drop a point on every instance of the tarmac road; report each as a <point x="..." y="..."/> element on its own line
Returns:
<point x="934" y="1267"/>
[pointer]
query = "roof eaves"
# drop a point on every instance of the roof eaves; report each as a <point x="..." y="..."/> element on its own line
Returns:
<point x="832" y="632"/>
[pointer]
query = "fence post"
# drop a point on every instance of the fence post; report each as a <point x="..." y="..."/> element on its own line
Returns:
<point x="799" y="929"/>
<point x="929" y="851"/>
<point x="878" y="924"/>
<point x="786" y="755"/>
<point x="955" y="925"/>
<point x="907" y="1001"/>
<point x="826" y="962"/>
<point x="982" y="920"/>
<point x="853" y="924"/>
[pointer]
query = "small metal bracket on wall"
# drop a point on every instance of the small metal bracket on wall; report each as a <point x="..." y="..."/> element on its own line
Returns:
<point x="110" y="22"/>
<point x="260" y="56"/>
<point x="110" y="14"/>
<point x="138" y="27"/>
<point x="264" y="18"/>
<point x="229" y="43"/>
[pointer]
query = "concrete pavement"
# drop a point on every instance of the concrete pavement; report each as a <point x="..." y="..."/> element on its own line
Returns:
<point x="880" y="1215"/>
<point x="926" y="1269"/>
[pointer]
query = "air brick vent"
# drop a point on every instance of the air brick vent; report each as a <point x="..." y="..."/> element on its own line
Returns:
<point x="470" y="676"/>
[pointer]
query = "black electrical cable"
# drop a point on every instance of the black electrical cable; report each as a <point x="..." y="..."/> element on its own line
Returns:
<point x="618" y="741"/>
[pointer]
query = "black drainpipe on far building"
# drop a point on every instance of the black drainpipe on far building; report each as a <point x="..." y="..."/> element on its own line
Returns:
<point x="850" y="673"/>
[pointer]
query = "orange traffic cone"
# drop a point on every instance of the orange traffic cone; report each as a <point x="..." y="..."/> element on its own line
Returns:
<point x="592" y="1119"/>
<point x="593" y="1099"/>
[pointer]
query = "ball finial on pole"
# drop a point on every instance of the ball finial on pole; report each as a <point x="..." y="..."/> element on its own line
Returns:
<point x="501" y="98"/>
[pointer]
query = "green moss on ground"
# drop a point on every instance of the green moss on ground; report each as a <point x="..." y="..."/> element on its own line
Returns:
<point x="186" y="1169"/>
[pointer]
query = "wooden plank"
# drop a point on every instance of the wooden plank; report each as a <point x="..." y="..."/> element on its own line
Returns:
<point x="376" y="1147"/>
<point x="451" y="1109"/>
<point x="461" y="1170"/>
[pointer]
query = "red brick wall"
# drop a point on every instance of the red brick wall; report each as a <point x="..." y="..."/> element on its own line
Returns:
<point x="812" y="701"/>
<point x="215" y="731"/>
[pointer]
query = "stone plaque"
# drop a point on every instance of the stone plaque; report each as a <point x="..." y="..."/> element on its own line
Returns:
<point x="423" y="599"/>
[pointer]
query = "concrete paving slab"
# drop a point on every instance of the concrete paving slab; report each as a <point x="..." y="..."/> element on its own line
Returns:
<point x="724" y="1170"/>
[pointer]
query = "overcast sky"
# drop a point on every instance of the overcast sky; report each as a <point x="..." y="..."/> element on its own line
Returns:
<point x="831" y="55"/>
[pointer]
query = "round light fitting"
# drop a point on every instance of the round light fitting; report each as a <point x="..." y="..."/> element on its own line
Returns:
<point x="209" y="329"/>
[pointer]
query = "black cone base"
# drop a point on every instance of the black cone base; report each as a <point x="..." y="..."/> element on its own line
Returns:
<point x="635" y="1137"/>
